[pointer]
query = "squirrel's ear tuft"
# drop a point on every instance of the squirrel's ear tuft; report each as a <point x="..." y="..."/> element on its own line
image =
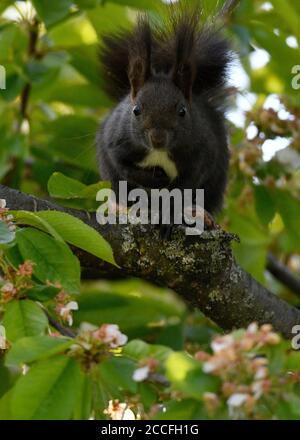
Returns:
<point x="139" y="68"/>
<point x="184" y="69"/>
<point x="125" y="59"/>
<point x="213" y="57"/>
<point x="114" y="54"/>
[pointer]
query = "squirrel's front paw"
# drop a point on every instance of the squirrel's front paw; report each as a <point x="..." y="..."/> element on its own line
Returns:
<point x="209" y="222"/>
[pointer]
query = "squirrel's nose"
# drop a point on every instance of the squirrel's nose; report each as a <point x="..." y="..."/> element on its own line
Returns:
<point x="158" y="138"/>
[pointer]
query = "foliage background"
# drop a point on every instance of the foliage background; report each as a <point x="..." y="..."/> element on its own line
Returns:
<point x="49" y="114"/>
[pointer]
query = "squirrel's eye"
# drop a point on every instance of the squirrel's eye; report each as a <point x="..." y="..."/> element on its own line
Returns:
<point x="137" y="110"/>
<point x="182" y="111"/>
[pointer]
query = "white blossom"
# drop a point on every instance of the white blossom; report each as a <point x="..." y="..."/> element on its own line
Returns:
<point x="140" y="374"/>
<point x="3" y="344"/>
<point x="119" y="411"/>
<point x="66" y="311"/>
<point x="257" y="389"/>
<point x="12" y="227"/>
<point x="237" y="400"/>
<point x="210" y="366"/>
<point x="222" y="343"/>
<point x="252" y="328"/>
<point x="261" y="373"/>
<point x="8" y="288"/>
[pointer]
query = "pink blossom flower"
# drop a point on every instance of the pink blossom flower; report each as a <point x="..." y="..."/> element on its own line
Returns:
<point x="222" y="343"/>
<point x="111" y="335"/>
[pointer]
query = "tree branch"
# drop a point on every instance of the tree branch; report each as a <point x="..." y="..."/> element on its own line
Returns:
<point x="199" y="268"/>
<point x="283" y="274"/>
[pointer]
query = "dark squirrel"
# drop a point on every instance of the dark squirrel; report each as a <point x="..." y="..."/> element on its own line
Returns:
<point x="168" y="129"/>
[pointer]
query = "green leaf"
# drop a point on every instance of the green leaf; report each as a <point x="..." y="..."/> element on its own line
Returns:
<point x="289" y="209"/>
<point x="48" y="391"/>
<point x="5" y="406"/>
<point x="53" y="260"/>
<point x="24" y="318"/>
<point x="186" y="375"/>
<point x="83" y="405"/>
<point x="52" y="12"/>
<point x="87" y="3"/>
<point x="116" y="374"/>
<point x="265" y="206"/>
<point x="63" y="187"/>
<point x="138" y="350"/>
<point x="79" y="234"/>
<point x="32" y="219"/>
<point x="42" y="293"/>
<point x="8" y="375"/>
<point x="5" y="4"/>
<point x="292" y="362"/>
<point x="31" y="349"/>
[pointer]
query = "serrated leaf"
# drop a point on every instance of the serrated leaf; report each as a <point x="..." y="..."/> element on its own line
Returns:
<point x="64" y="187"/>
<point x="31" y="349"/>
<point x="84" y="400"/>
<point x="61" y="186"/>
<point x="77" y="233"/>
<point x="24" y="318"/>
<point x="116" y="374"/>
<point x="42" y="293"/>
<point x="48" y="391"/>
<point x="53" y="260"/>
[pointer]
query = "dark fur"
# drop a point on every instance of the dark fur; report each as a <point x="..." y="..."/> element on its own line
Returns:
<point x="161" y="68"/>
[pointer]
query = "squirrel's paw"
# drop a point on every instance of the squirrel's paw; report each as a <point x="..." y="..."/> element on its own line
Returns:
<point x="208" y="220"/>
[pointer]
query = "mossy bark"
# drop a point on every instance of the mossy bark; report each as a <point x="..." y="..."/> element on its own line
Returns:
<point x="201" y="269"/>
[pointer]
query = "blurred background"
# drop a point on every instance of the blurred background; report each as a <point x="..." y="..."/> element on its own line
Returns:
<point x="52" y="99"/>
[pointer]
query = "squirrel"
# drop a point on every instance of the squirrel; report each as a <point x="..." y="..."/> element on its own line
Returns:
<point x="168" y="128"/>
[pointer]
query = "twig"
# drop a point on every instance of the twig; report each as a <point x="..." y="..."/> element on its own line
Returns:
<point x="283" y="274"/>
<point x="60" y="328"/>
<point x="33" y="39"/>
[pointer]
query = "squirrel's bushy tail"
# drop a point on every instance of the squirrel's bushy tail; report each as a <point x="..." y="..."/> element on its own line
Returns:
<point x="193" y="54"/>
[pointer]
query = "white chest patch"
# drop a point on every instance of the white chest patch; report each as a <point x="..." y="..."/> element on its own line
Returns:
<point x="160" y="158"/>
